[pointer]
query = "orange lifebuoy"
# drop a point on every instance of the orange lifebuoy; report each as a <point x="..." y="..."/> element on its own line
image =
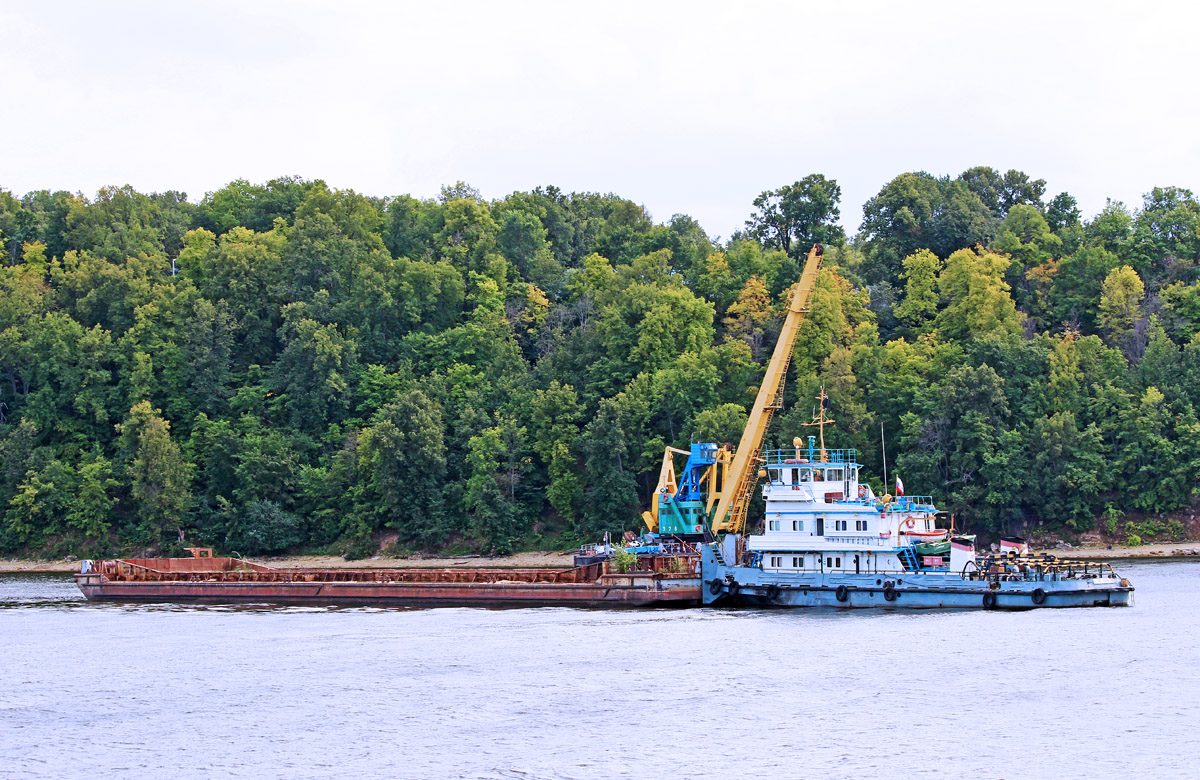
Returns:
<point x="699" y="528"/>
<point x="910" y="523"/>
<point x="862" y="491"/>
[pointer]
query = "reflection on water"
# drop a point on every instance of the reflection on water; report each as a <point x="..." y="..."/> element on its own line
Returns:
<point x="157" y="691"/>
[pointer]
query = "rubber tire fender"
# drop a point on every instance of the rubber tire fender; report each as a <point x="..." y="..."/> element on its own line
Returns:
<point x="1038" y="596"/>
<point x="773" y="592"/>
<point x="889" y="591"/>
<point x="842" y="593"/>
<point x="714" y="587"/>
<point x="989" y="600"/>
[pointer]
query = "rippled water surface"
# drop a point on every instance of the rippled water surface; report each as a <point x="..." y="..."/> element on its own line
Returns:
<point x="154" y="692"/>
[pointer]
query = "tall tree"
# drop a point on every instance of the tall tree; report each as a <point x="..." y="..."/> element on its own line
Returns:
<point x="798" y="215"/>
<point x="159" y="476"/>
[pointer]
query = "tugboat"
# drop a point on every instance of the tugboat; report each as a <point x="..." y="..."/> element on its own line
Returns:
<point x="828" y="538"/>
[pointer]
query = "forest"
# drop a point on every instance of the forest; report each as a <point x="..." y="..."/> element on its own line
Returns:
<point x="288" y="367"/>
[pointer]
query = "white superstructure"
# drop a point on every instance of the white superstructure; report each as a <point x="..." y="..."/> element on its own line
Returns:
<point x="820" y="517"/>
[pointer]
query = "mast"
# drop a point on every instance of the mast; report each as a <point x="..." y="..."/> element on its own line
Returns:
<point x="742" y="473"/>
<point x="820" y="420"/>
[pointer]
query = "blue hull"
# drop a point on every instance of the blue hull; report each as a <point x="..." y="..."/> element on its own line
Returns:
<point x="750" y="586"/>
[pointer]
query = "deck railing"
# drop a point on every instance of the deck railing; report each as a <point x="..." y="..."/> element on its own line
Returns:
<point x="792" y="456"/>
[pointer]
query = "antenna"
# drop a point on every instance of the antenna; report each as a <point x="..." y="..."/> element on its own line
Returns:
<point x="883" y="441"/>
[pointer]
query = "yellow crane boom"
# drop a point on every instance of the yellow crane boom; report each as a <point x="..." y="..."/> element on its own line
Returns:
<point x="742" y="473"/>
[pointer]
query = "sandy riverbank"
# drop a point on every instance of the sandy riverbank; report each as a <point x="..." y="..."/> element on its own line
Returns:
<point x="555" y="559"/>
<point x="1165" y="550"/>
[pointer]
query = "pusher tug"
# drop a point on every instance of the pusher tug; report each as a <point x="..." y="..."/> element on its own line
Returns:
<point x="828" y="540"/>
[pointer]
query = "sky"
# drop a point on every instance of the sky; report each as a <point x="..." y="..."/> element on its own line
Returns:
<point x="683" y="107"/>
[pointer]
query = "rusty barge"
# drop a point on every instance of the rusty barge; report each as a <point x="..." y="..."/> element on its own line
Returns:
<point x="204" y="579"/>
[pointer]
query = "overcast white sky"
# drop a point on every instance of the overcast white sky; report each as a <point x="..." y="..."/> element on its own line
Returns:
<point x="686" y="107"/>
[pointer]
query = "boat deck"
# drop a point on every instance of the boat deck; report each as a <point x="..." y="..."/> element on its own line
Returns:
<point x="663" y="581"/>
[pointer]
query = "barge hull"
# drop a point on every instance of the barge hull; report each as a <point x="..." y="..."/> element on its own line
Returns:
<point x="226" y="581"/>
<point x="412" y="595"/>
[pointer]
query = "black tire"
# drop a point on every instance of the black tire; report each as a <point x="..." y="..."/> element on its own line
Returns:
<point x="989" y="600"/>
<point x="773" y="592"/>
<point x="734" y="588"/>
<point x="889" y="591"/>
<point x="1039" y="596"/>
<point x="842" y="593"/>
<point x="714" y="587"/>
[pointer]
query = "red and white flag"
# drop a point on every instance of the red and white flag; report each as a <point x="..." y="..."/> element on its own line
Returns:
<point x="899" y="486"/>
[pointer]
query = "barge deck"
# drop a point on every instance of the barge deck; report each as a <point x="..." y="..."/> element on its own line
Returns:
<point x="661" y="581"/>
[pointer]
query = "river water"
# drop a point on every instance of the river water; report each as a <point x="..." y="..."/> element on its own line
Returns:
<point x="143" y="692"/>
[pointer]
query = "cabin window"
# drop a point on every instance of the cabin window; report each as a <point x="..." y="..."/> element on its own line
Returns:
<point x="798" y="562"/>
<point x="829" y="563"/>
<point x="797" y="525"/>
<point x="860" y="525"/>
<point x="837" y="563"/>
<point x="776" y="561"/>
<point x="773" y="525"/>
<point x="840" y="525"/>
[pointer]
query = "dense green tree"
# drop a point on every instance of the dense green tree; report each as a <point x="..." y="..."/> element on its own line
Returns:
<point x="1165" y="240"/>
<point x="920" y="304"/>
<point x="402" y="456"/>
<point x="796" y="216"/>
<point x="978" y="304"/>
<point x="1121" y="305"/>
<point x="610" y="495"/>
<point x="254" y="207"/>
<point x="896" y="223"/>
<point x="313" y="370"/>
<point x="495" y="467"/>
<point x="159" y="475"/>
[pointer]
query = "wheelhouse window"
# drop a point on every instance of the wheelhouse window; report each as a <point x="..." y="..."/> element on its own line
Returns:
<point x="806" y="475"/>
<point x="773" y="475"/>
<point x="833" y="475"/>
<point x="818" y="475"/>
